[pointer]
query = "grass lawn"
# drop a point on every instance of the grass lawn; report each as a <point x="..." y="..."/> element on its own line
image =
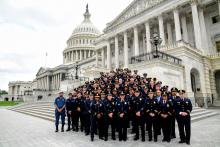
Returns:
<point x="8" y="103"/>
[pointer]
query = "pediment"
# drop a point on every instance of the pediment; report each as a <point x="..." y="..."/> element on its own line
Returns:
<point x="40" y="71"/>
<point x="135" y="8"/>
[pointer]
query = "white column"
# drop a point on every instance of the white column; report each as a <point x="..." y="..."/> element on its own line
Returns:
<point x="136" y="43"/>
<point x="219" y="7"/>
<point x="108" y="56"/>
<point x="84" y="54"/>
<point x="89" y="53"/>
<point x="197" y="29"/>
<point x="125" y="49"/>
<point x="204" y="38"/>
<point x="103" y="57"/>
<point x="161" y="29"/>
<point x="97" y="58"/>
<point x="170" y="34"/>
<point x="147" y="27"/>
<point x="72" y="56"/>
<point x="177" y="24"/>
<point x="48" y="83"/>
<point x="116" y="52"/>
<point x="184" y="27"/>
<point x="77" y="55"/>
<point x="81" y="55"/>
<point x="58" y="87"/>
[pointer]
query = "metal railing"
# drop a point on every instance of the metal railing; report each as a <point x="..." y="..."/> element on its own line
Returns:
<point x="153" y="56"/>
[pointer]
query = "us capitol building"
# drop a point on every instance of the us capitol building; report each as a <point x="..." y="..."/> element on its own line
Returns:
<point x="188" y="56"/>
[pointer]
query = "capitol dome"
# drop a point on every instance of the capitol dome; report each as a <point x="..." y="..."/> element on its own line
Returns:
<point x="80" y="44"/>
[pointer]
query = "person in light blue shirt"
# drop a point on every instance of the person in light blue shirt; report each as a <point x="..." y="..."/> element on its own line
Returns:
<point x="60" y="104"/>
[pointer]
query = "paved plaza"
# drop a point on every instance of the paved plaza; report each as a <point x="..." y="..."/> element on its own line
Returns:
<point x="20" y="130"/>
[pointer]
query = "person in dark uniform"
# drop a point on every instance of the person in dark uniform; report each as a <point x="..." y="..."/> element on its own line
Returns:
<point x="69" y="110"/>
<point x="77" y="112"/>
<point x="151" y="112"/>
<point x="183" y="109"/>
<point x="60" y="104"/>
<point x="165" y="113"/>
<point x="97" y="117"/>
<point x="173" y="98"/>
<point x="122" y="107"/>
<point x="138" y="103"/>
<point x="86" y="112"/>
<point x="110" y="116"/>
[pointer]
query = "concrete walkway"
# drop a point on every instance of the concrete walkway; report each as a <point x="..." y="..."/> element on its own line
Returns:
<point x="20" y="130"/>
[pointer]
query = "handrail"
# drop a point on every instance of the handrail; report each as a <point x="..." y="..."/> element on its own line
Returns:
<point x="152" y="56"/>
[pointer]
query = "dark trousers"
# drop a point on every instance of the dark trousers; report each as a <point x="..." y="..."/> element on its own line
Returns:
<point x="152" y="123"/>
<point x="184" y="125"/>
<point x="87" y="123"/>
<point x="139" y="121"/>
<point x="97" y="124"/>
<point x="173" y="134"/>
<point x="166" y="128"/>
<point x="112" y="122"/>
<point x="93" y="125"/>
<point x="76" y="117"/>
<point x="70" y="120"/>
<point x="122" y="128"/>
<point x="57" y="117"/>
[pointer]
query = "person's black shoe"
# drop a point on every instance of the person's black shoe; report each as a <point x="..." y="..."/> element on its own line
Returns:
<point x="113" y="138"/>
<point x="87" y="134"/>
<point x="155" y="139"/>
<point x="187" y="142"/>
<point x="168" y="140"/>
<point x="106" y="139"/>
<point x="143" y="140"/>
<point x="92" y="139"/>
<point x="102" y="138"/>
<point x="68" y="130"/>
<point x="76" y="130"/>
<point x="150" y="139"/>
<point x="62" y="130"/>
<point x="163" y="140"/>
<point x="136" y="138"/>
<point x="56" y="130"/>
<point x="120" y="139"/>
<point x="181" y="141"/>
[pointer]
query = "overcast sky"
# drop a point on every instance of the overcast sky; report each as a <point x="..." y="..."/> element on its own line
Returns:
<point x="30" y="28"/>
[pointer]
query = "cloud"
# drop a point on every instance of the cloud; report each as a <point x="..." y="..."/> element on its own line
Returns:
<point x="30" y="28"/>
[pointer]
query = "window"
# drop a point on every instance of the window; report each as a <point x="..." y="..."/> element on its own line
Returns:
<point x="216" y="19"/>
<point x="218" y="46"/>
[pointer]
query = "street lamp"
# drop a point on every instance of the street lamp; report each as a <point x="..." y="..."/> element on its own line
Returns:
<point x="156" y="41"/>
<point x="77" y="68"/>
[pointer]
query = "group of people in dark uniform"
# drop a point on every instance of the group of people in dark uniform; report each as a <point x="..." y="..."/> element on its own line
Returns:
<point x="122" y="99"/>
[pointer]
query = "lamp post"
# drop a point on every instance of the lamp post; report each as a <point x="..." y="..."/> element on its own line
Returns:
<point x="77" y="68"/>
<point x="156" y="41"/>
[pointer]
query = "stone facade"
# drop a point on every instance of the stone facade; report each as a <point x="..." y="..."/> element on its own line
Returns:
<point x="190" y="48"/>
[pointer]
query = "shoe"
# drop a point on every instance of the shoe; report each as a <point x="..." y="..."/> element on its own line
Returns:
<point x="181" y="141"/>
<point x="68" y="130"/>
<point x="62" y="130"/>
<point x="155" y="139"/>
<point x="106" y="139"/>
<point x="163" y="140"/>
<point x="168" y="140"/>
<point x="87" y="134"/>
<point x="136" y="138"/>
<point x="113" y="138"/>
<point x="92" y="139"/>
<point x="102" y="138"/>
<point x="150" y="139"/>
<point x="187" y="142"/>
<point x="120" y="139"/>
<point x="56" y="130"/>
<point x="143" y="140"/>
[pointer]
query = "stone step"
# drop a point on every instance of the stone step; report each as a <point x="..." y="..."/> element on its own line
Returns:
<point x="200" y="117"/>
<point x="46" y="110"/>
